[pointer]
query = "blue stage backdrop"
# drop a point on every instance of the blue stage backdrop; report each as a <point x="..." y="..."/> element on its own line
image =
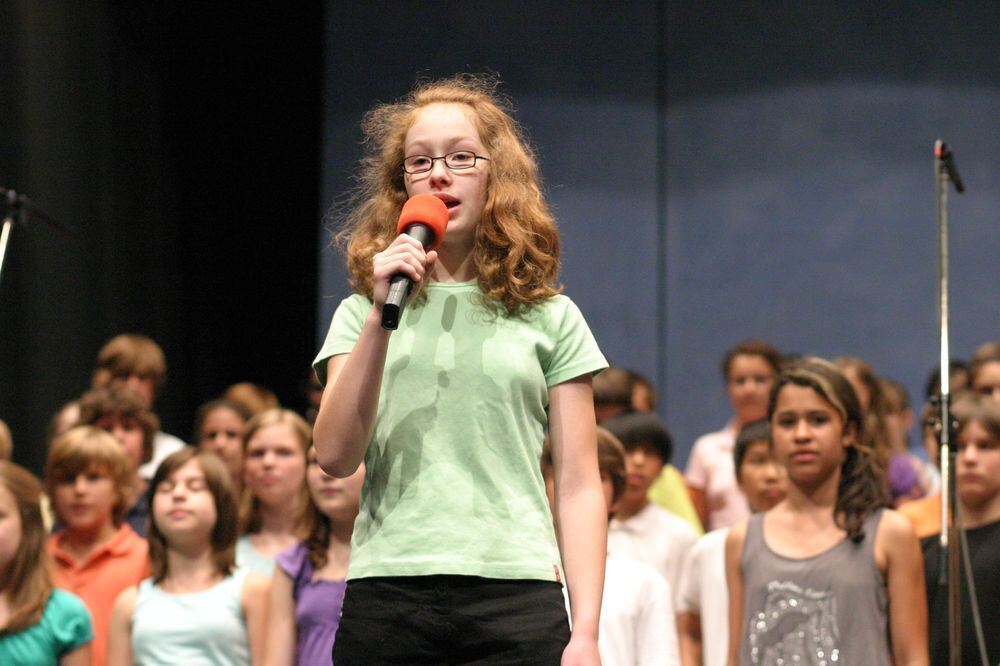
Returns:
<point x="717" y="175"/>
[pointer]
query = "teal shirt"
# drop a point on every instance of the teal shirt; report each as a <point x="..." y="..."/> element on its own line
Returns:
<point x="453" y="484"/>
<point x="64" y="627"/>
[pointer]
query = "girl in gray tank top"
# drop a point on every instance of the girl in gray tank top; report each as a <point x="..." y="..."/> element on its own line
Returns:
<point x="827" y="609"/>
<point x="827" y="577"/>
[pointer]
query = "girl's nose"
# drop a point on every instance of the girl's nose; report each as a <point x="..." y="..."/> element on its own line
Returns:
<point x="439" y="174"/>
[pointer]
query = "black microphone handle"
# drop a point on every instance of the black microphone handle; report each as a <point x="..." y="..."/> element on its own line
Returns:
<point x="400" y="284"/>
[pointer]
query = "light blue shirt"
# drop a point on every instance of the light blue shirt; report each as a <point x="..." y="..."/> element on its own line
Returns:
<point x="205" y="628"/>
<point x="248" y="557"/>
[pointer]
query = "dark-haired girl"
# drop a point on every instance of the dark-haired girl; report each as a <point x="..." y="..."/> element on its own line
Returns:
<point x="828" y="576"/>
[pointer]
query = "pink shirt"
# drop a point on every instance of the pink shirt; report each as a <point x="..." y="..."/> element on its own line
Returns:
<point x="711" y="470"/>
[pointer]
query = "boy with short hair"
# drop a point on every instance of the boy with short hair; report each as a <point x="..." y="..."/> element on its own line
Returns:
<point x="96" y="554"/>
<point x="640" y="528"/>
<point x="637" y="619"/>
<point x="136" y="362"/>
<point x="977" y="471"/>
<point x="121" y="412"/>
<point x="702" y="600"/>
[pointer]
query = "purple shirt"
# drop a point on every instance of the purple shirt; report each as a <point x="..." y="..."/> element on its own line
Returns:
<point x="317" y="607"/>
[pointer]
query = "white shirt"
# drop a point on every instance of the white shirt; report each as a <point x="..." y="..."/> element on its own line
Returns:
<point x="637" y="625"/>
<point x="703" y="591"/>
<point x="163" y="446"/>
<point x="654" y="536"/>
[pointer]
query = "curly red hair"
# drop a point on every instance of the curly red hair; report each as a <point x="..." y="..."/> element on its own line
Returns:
<point x="516" y="251"/>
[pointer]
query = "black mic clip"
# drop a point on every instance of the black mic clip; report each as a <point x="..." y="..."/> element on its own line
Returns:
<point x="947" y="160"/>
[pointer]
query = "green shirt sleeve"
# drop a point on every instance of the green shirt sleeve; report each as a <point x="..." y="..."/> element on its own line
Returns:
<point x="574" y="351"/>
<point x="344" y="332"/>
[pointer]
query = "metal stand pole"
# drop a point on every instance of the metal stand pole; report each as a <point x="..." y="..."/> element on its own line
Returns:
<point x="948" y="573"/>
<point x="8" y="224"/>
<point x="17" y="208"/>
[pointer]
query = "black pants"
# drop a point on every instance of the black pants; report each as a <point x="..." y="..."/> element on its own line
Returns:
<point x="451" y="620"/>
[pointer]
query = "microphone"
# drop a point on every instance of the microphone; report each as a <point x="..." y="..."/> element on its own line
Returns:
<point x="424" y="217"/>
<point x="942" y="152"/>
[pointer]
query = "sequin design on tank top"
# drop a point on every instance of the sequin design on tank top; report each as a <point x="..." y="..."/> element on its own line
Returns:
<point x="796" y="627"/>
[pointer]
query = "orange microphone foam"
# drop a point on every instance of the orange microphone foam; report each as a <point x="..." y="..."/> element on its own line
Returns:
<point x="428" y="210"/>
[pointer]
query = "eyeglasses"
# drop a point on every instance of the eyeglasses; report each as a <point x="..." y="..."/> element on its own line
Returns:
<point x="456" y="161"/>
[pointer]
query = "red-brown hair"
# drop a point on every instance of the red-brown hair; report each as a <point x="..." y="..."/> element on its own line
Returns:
<point x="126" y="354"/>
<point x="516" y="252"/>
<point x="26" y="581"/>
<point x="85" y="448"/>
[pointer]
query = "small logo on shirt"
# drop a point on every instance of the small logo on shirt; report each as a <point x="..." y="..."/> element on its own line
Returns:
<point x="555" y="567"/>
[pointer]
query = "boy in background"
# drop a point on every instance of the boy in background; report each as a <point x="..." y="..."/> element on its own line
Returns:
<point x="136" y="362"/>
<point x="702" y="600"/>
<point x="618" y="391"/>
<point x="96" y="554"/>
<point x="637" y="619"/>
<point x="125" y="415"/>
<point x="641" y="529"/>
<point x="977" y="471"/>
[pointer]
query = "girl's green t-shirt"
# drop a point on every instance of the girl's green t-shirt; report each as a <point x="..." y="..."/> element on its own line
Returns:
<point x="453" y="484"/>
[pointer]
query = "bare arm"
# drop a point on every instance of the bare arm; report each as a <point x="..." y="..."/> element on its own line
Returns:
<point x="897" y="551"/>
<point x="253" y="599"/>
<point x="120" y="628"/>
<point x="689" y="634"/>
<point x="280" y="645"/>
<point x="349" y="406"/>
<point x="734" y="583"/>
<point x="581" y="511"/>
<point x="700" y="502"/>
<point x="78" y="657"/>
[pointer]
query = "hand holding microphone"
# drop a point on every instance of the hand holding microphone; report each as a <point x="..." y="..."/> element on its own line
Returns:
<point x="424" y="219"/>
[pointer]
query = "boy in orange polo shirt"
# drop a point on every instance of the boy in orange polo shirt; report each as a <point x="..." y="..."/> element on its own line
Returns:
<point x="96" y="554"/>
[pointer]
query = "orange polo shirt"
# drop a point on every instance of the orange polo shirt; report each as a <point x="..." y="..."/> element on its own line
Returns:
<point x="924" y="515"/>
<point x="98" y="579"/>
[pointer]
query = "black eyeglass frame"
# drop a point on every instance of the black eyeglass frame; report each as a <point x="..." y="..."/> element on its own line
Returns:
<point x="475" y="161"/>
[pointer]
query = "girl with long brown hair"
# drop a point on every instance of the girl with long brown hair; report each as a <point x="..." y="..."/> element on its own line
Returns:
<point x="38" y="624"/>
<point x="198" y="607"/>
<point x="448" y="413"/>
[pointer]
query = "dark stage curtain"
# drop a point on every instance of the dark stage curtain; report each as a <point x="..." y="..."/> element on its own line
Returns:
<point x="182" y="146"/>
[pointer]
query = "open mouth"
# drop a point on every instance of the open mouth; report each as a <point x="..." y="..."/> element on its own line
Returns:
<point x="448" y="200"/>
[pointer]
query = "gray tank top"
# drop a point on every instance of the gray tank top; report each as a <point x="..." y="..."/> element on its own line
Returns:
<point x="825" y="610"/>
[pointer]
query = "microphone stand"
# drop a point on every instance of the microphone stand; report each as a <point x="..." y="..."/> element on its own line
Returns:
<point x="945" y="173"/>
<point x="17" y="208"/>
